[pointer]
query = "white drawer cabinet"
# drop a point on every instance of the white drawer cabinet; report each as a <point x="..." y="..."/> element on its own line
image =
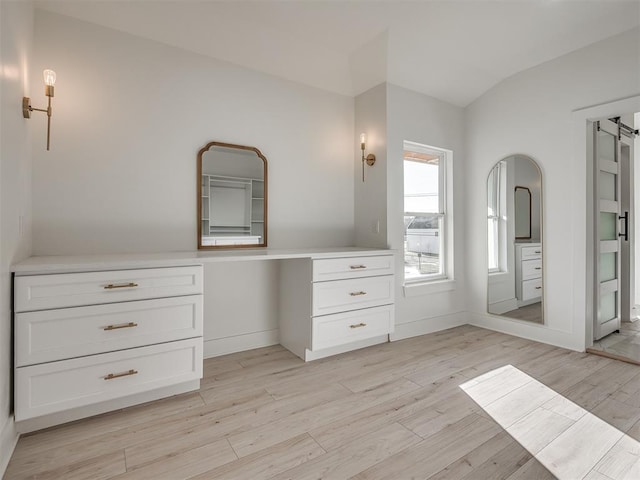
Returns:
<point x="352" y="267"/>
<point x="55" y="386"/>
<point x="532" y="290"/>
<point x="528" y="273"/>
<point x="531" y="251"/>
<point x="90" y="342"/>
<point x="41" y="292"/>
<point x="51" y="335"/>
<point x="531" y="269"/>
<point x="351" y="299"/>
<point x="344" y="295"/>
<point x="343" y="328"/>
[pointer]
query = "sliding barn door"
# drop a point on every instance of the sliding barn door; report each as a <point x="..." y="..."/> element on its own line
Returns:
<point x="607" y="190"/>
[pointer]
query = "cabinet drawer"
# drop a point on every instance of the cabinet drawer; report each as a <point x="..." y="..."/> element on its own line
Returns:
<point x="51" y="335"/>
<point x="343" y="295"/>
<point x="531" y="253"/>
<point x="531" y="289"/>
<point x="352" y="267"/>
<point x="342" y="328"/>
<point x="57" y="386"/>
<point x="531" y="269"/>
<point x="40" y="292"/>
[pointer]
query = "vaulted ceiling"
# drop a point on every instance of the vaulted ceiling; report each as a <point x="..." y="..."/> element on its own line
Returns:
<point x="451" y="50"/>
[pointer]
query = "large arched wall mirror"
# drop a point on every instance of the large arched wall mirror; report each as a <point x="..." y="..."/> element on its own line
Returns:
<point x="514" y="239"/>
<point x="232" y="197"/>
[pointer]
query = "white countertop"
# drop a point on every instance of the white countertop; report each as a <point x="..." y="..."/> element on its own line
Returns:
<point x="85" y="263"/>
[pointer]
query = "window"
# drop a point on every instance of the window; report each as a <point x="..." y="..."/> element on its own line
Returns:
<point x="497" y="217"/>
<point x="425" y="213"/>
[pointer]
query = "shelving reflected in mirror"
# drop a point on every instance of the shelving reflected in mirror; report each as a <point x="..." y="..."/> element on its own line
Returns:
<point x="232" y="197"/>
<point x="514" y="239"/>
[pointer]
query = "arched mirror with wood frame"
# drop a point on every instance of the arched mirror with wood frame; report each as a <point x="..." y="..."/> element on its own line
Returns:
<point x="514" y="239"/>
<point x="232" y="197"/>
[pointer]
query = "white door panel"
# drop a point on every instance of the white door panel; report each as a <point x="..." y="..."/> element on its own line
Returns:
<point x="607" y="190"/>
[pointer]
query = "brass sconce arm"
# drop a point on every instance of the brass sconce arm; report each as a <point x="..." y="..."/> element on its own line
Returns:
<point x="50" y="80"/>
<point x="369" y="159"/>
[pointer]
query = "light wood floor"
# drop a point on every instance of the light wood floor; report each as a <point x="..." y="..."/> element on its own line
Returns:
<point x="624" y="344"/>
<point x="392" y="411"/>
<point x="530" y="313"/>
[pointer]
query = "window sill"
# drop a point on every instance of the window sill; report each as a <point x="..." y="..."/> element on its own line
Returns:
<point x="427" y="288"/>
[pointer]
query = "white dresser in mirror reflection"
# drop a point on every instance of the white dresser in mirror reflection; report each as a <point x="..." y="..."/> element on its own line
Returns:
<point x="528" y="273"/>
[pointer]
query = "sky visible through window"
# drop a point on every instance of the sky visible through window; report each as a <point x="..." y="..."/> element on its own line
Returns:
<point x="422" y="218"/>
<point x="421" y="187"/>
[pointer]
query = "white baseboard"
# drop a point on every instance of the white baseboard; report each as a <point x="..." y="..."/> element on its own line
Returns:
<point x="240" y="343"/>
<point x="428" y="325"/>
<point x="8" y="440"/>
<point x="504" y="306"/>
<point x="528" y="330"/>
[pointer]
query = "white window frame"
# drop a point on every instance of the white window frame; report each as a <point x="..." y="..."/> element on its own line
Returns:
<point x="445" y="206"/>
<point x="500" y="216"/>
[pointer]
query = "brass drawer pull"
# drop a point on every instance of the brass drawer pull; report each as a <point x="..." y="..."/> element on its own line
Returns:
<point x="357" y="294"/>
<point x="538" y="251"/>
<point x="357" y="267"/>
<point x="538" y="288"/>
<point x="538" y="268"/>
<point x="111" y="286"/>
<point x="111" y="376"/>
<point x="122" y="325"/>
<point x="358" y="325"/>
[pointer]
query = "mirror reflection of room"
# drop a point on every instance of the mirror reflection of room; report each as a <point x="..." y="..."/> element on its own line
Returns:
<point x="514" y="237"/>
<point x="232" y="195"/>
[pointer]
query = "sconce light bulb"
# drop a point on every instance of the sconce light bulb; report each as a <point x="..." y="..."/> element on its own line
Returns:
<point x="49" y="78"/>
<point x="363" y="138"/>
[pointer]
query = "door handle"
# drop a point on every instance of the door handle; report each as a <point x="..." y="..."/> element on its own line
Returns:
<point x="625" y="217"/>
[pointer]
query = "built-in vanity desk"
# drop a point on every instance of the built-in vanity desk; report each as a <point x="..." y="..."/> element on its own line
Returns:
<point x="97" y="333"/>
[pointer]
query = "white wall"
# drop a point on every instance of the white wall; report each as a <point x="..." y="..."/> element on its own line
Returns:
<point x="412" y="116"/>
<point x="531" y="113"/>
<point x="240" y="306"/>
<point x="16" y="27"/>
<point x="129" y="117"/>
<point x="422" y="119"/>
<point x="370" y="202"/>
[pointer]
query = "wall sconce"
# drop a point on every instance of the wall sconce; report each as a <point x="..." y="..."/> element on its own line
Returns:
<point x="49" y="82"/>
<point x="371" y="158"/>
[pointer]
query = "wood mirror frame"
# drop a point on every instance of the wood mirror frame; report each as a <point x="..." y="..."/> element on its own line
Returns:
<point x="253" y="226"/>
<point x="522" y="209"/>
